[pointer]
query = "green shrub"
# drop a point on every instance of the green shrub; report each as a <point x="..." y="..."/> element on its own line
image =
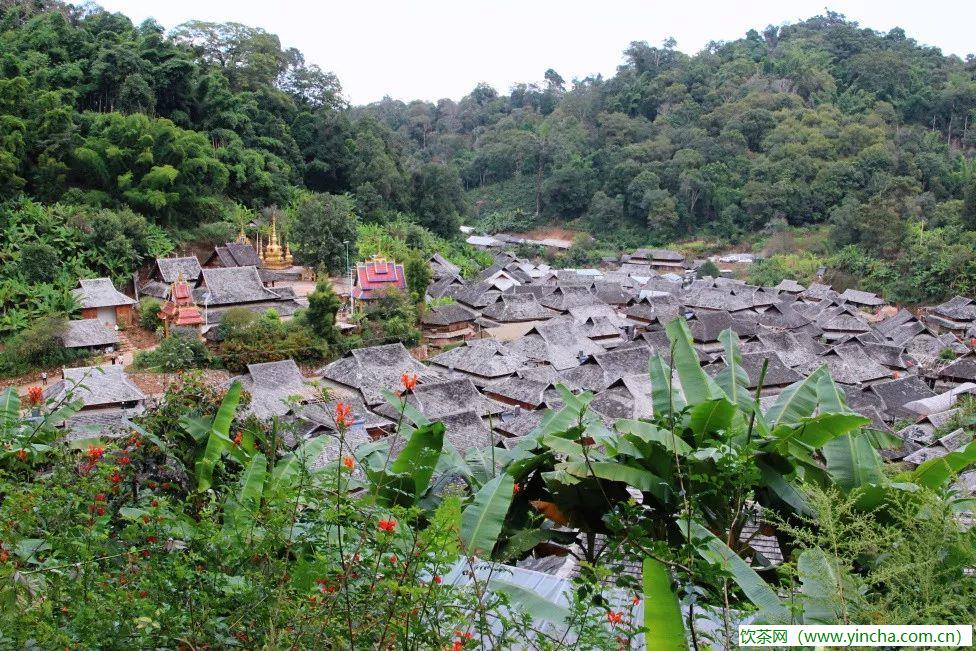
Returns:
<point x="249" y="338"/>
<point x="709" y="268"/>
<point x="149" y="308"/>
<point x="39" y="346"/>
<point x="178" y="352"/>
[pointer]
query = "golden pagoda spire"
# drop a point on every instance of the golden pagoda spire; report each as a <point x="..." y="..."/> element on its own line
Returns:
<point x="274" y="257"/>
<point x="242" y="236"/>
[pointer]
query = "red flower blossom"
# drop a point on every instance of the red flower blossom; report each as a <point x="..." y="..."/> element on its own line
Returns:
<point x="100" y="510"/>
<point x="154" y="503"/>
<point x="125" y="460"/>
<point x="635" y="600"/>
<point x="343" y="414"/>
<point x="437" y="580"/>
<point x="457" y="646"/>
<point x="151" y="539"/>
<point x="615" y="618"/>
<point x="95" y="452"/>
<point x="116" y="477"/>
<point x="409" y="381"/>
<point x="393" y="559"/>
<point x="4" y="555"/>
<point x="145" y="519"/>
<point x="387" y="525"/>
<point x="22" y="454"/>
<point x="516" y="488"/>
<point x="349" y="462"/>
<point x="35" y="395"/>
<point x="100" y="497"/>
<point x="145" y="553"/>
<point x="152" y="484"/>
<point x="143" y="594"/>
<point x="238" y="438"/>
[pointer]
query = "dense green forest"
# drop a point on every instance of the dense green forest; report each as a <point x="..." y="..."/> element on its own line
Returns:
<point x="857" y="145"/>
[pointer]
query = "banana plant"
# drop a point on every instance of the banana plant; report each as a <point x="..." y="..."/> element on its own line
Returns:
<point x="213" y="437"/>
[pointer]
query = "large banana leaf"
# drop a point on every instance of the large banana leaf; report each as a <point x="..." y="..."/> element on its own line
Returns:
<point x="733" y="379"/>
<point x="853" y="462"/>
<point x="752" y="585"/>
<point x="664" y="399"/>
<point x="240" y="510"/>
<point x="650" y="433"/>
<point x="817" y="431"/>
<point x="664" y="626"/>
<point x="799" y="400"/>
<point x="287" y="471"/>
<point x="696" y="385"/>
<point x="420" y="455"/>
<point x="218" y="438"/>
<point x="934" y="473"/>
<point x="829" y="393"/>
<point x="642" y="480"/>
<point x="530" y="602"/>
<point x="482" y="520"/>
<point x="711" y="416"/>
<point x="9" y="412"/>
<point x="825" y="592"/>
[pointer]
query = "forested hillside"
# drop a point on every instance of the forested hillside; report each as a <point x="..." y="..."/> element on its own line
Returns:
<point x="862" y="139"/>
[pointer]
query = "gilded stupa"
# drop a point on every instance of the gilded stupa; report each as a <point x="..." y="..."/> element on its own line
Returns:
<point x="272" y="255"/>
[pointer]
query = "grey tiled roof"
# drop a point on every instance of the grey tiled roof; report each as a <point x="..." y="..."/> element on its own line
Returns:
<point x="514" y="308"/>
<point x="99" y="292"/>
<point x="88" y="333"/>
<point x="448" y="315"/>
<point x="168" y="270"/>
<point x="271" y="384"/>
<point x="96" y="386"/>
<point x="235" y="285"/>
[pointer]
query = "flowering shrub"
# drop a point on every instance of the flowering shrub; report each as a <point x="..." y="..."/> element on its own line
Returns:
<point x="123" y="543"/>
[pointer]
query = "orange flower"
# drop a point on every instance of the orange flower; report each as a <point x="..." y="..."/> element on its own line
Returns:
<point x="393" y="559"/>
<point x="349" y="462"/>
<point x="95" y="452"/>
<point x="635" y="600"/>
<point x="238" y="438"/>
<point x="516" y="489"/>
<point x="35" y="395"/>
<point x="343" y="414"/>
<point x="387" y="525"/>
<point x="22" y="454"/>
<point x="409" y="381"/>
<point x="614" y="618"/>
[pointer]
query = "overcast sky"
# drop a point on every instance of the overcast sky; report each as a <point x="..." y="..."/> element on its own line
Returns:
<point x="442" y="48"/>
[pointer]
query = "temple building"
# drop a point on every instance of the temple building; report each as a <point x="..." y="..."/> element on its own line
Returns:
<point x="273" y="259"/>
<point x="375" y="276"/>
<point x="180" y="311"/>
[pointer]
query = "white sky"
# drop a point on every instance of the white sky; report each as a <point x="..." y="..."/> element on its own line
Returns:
<point x="431" y="49"/>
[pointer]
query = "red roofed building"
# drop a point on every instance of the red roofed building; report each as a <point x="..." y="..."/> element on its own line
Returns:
<point x="375" y="276"/>
<point x="179" y="311"/>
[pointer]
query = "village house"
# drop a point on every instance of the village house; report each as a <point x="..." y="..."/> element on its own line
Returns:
<point x="273" y="386"/>
<point x="100" y="300"/>
<point x="166" y="271"/>
<point x="221" y="289"/>
<point x="89" y="335"/>
<point x="108" y="399"/>
<point x="373" y="370"/>
<point x="659" y="260"/>
<point x="447" y="325"/>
